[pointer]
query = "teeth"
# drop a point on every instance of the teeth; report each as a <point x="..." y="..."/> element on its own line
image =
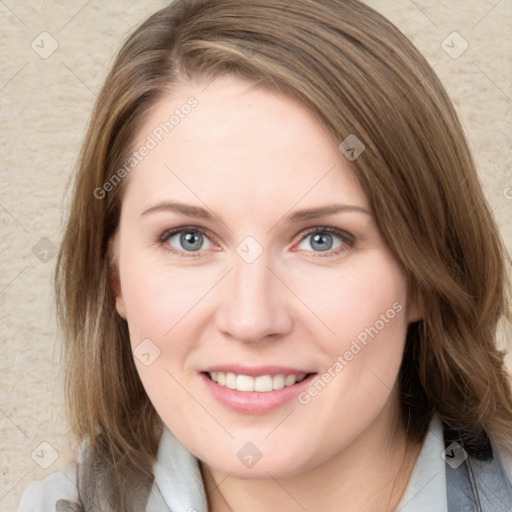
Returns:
<point x="245" y="383"/>
<point x="231" y="380"/>
<point x="290" y="380"/>
<point x="278" y="381"/>
<point x="262" y="384"/>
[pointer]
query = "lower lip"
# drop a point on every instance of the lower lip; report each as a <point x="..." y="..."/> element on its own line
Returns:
<point x="254" y="402"/>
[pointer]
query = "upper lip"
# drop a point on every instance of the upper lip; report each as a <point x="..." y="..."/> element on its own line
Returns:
<point x="256" y="371"/>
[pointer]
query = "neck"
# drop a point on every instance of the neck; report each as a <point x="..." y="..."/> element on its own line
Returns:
<point x="369" y="475"/>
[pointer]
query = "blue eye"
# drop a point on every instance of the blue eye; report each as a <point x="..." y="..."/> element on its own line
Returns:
<point x="187" y="240"/>
<point x="190" y="241"/>
<point x="325" y="239"/>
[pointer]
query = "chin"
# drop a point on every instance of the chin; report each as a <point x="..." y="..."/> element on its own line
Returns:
<point x="278" y="465"/>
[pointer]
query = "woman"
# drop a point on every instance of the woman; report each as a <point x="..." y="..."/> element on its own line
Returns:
<point x="280" y="282"/>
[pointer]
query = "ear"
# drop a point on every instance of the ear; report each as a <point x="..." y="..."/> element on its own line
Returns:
<point x="120" y="307"/>
<point x="414" y="311"/>
<point x="115" y="280"/>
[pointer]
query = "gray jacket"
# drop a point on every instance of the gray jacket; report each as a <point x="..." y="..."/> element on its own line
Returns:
<point x="445" y="479"/>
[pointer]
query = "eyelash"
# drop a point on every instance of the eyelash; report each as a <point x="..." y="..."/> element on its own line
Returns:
<point x="347" y="239"/>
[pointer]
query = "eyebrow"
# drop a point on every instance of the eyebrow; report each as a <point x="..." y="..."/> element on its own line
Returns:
<point x="297" y="216"/>
<point x="313" y="213"/>
<point x="185" y="209"/>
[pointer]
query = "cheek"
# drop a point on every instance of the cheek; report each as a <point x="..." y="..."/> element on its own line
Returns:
<point x="159" y="299"/>
<point x="367" y="311"/>
<point x="356" y="302"/>
<point x="160" y="306"/>
<point x="362" y="332"/>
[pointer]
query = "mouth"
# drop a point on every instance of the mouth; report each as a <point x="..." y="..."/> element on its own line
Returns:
<point x="260" y="384"/>
<point x="266" y="388"/>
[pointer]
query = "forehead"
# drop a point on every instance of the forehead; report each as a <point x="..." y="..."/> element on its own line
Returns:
<point x="231" y="139"/>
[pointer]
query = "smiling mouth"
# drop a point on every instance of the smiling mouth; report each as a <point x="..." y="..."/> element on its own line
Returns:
<point x="261" y="383"/>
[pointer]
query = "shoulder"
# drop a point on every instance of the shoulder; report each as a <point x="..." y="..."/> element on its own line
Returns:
<point x="43" y="495"/>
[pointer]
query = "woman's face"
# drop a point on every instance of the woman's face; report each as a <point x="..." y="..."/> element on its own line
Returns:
<point x="247" y="254"/>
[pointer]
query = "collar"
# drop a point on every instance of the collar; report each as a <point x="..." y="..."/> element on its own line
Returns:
<point x="179" y="485"/>
<point x="426" y="490"/>
<point x="178" y="479"/>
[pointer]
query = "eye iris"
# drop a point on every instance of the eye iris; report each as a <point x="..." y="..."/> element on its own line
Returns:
<point x="321" y="241"/>
<point x="191" y="241"/>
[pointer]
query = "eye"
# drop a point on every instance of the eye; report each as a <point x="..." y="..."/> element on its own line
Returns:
<point x="186" y="240"/>
<point x="326" y="240"/>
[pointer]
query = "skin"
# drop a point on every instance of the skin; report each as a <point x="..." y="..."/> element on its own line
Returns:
<point x="251" y="157"/>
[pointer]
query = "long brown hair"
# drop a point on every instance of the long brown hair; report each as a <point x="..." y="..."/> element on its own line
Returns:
<point x="359" y="75"/>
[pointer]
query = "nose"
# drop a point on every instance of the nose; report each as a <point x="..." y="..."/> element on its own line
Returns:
<point x="254" y="304"/>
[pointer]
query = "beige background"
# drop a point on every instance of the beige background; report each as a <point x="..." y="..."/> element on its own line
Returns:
<point x="45" y="104"/>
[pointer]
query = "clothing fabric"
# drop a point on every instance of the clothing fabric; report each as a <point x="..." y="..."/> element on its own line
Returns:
<point x="178" y="485"/>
